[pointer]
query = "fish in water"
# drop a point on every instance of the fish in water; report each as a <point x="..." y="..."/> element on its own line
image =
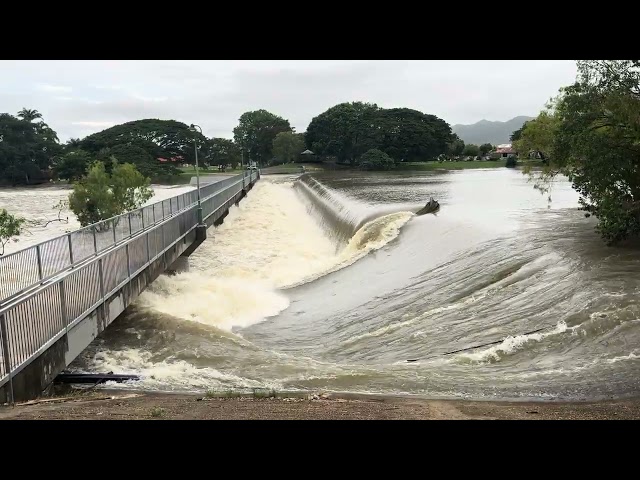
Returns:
<point x="432" y="206"/>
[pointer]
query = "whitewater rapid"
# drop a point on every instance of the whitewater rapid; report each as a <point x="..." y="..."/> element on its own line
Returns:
<point x="332" y="283"/>
<point x="267" y="244"/>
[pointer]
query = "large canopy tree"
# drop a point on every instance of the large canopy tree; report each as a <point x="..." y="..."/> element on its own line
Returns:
<point x="27" y="149"/>
<point x="287" y="146"/>
<point x="348" y="130"/>
<point x="345" y="131"/>
<point x="591" y="133"/>
<point x="161" y="138"/>
<point x="255" y="134"/>
<point x="220" y="151"/>
<point x="409" y="135"/>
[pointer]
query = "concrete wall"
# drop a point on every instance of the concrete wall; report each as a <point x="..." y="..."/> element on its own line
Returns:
<point x="33" y="380"/>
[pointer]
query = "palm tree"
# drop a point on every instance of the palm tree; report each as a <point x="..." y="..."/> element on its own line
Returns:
<point x="29" y="115"/>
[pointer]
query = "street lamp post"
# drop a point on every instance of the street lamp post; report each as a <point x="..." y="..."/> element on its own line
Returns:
<point x="193" y="127"/>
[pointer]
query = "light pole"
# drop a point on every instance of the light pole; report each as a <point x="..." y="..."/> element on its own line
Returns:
<point x="193" y="127"/>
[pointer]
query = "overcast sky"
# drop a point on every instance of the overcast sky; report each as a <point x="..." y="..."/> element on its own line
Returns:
<point x="77" y="98"/>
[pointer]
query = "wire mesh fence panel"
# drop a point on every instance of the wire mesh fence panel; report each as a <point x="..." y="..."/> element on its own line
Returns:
<point x="18" y="272"/>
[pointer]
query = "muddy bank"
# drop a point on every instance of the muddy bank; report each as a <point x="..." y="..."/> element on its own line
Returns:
<point x="118" y="405"/>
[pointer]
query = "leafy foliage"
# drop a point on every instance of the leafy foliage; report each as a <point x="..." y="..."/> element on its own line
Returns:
<point x="455" y="147"/>
<point x="375" y="159"/>
<point x="27" y="149"/>
<point x="143" y="142"/>
<point x="287" y="146"/>
<point x="471" y="150"/>
<point x="409" y="135"/>
<point x="161" y="138"/>
<point x="10" y="227"/>
<point x="73" y="165"/>
<point x="220" y="151"/>
<point x="485" y="148"/>
<point x="256" y="131"/>
<point x="101" y="195"/>
<point x="517" y="134"/>
<point x="591" y="133"/>
<point x="347" y="130"/>
<point x="512" y="162"/>
<point x="539" y="135"/>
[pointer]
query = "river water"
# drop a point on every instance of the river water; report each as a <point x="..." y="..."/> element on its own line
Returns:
<point x="331" y="282"/>
<point x="38" y="206"/>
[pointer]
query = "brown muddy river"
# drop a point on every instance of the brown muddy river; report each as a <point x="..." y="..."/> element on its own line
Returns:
<point x="330" y="282"/>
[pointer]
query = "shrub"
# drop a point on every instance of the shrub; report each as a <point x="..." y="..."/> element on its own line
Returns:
<point x="375" y="159"/>
<point x="100" y="195"/>
<point x="10" y="227"/>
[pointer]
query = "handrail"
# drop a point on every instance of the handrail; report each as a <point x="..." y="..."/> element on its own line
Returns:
<point x="34" y="320"/>
<point x="26" y="268"/>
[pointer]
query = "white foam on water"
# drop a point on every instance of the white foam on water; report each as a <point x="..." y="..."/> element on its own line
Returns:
<point x="266" y="244"/>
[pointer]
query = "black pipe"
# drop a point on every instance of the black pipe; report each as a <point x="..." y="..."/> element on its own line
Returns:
<point x="94" y="378"/>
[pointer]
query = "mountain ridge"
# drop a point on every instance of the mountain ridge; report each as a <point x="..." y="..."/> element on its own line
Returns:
<point x="489" y="131"/>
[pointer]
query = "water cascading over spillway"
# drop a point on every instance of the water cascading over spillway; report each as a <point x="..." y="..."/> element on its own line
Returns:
<point x="285" y="234"/>
<point x="499" y="296"/>
<point x="340" y="217"/>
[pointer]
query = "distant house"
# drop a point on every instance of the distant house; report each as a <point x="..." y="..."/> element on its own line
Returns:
<point x="505" y="151"/>
<point x="178" y="159"/>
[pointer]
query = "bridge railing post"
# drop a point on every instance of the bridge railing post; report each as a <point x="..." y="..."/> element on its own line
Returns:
<point x="101" y="274"/>
<point x="70" y="250"/>
<point x="6" y="354"/>
<point x="39" y="256"/>
<point x="63" y="306"/>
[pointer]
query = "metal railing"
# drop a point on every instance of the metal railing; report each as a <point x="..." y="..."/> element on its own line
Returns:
<point x="36" y="308"/>
<point x="22" y="270"/>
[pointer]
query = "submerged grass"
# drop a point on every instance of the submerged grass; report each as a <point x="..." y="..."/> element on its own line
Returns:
<point x="157" y="412"/>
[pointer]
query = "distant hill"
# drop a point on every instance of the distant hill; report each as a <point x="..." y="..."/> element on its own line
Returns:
<point x="486" y="131"/>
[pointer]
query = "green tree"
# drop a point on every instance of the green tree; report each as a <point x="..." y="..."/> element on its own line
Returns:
<point x="375" y="159"/>
<point x="515" y="136"/>
<point x="256" y="131"/>
<point x="287" y="146"/>
<point x="592" y="135"/>
<point x="160" y="138"/>
<point x="455" y="147"/>
<point x="221" y="151"/>
<point x="100" y="195"/>
<point x="345" y="131"/>
<point x="27" y="150"/>
<point x="409" y="135"/>
<point x="73" y="144"/>
<point x="538" y="135"/>
<point x="10" y="227"/>
<point x="29" y="115"/>
<point x="485" y="148"/>
<point x="73" y="165"/>
<point x="471" y="150"/>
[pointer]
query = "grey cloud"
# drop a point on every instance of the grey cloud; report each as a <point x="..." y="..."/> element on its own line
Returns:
<point x="80" y="97"/>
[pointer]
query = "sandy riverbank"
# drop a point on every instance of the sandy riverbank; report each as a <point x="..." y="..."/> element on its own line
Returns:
<point x="119" y="405"/>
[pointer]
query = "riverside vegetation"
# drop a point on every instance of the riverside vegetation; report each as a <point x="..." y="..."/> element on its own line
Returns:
<point x="590" y="132"/>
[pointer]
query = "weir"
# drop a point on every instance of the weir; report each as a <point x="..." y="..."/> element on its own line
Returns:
<point x="58" y="296"/>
